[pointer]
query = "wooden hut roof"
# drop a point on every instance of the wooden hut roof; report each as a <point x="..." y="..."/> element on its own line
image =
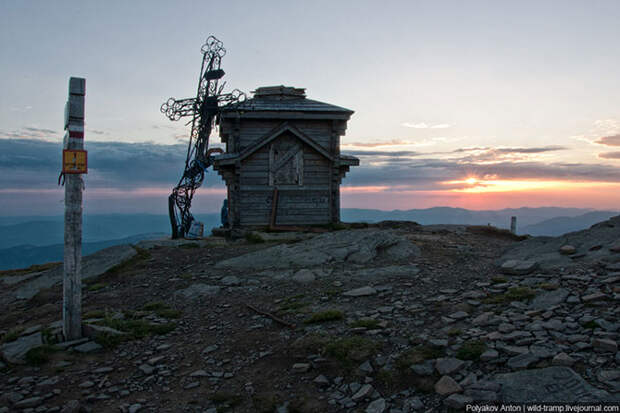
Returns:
<point x="283" y="99"/>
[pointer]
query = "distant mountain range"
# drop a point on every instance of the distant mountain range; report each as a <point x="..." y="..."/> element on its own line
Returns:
<point x="33" y="240"/>
<point x="528" y="219"/>
<point x="23" y="256"/>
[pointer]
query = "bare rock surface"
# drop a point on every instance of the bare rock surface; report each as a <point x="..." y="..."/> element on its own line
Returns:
<point x="351" y="246"/>
<point x="92" y="266"/>
<point x="172" y="331"/>
<point x="551" y="384"/>
<point x="596" y="244"/>
<point x="15" y="351"/>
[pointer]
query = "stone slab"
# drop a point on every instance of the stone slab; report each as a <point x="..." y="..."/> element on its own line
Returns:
<point x="549" y="385"/>
<point x="93" y="265"/>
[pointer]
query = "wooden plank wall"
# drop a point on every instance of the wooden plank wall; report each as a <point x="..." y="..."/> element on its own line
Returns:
<point x="254" y="129"/>
<point x="297" y="204"/>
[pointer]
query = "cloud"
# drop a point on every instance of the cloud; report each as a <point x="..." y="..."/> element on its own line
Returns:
<point x="423" y="125"/>
<point x="609" y="155"/>
<point x="383" y="153"/>
<point x="393" y="142"/>
<point x="36" y="164"/>
<point x="613" y="140"/>
<point x="31" y="132"/>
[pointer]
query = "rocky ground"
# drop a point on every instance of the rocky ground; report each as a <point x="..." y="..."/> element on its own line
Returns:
<point x="393" y="318"/>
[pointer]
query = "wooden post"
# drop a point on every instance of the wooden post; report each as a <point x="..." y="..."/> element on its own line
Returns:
<point x="73" y="144"/>
<point x="513" y="225"/>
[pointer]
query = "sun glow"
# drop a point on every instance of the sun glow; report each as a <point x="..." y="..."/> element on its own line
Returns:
<point x="474" y="185"/>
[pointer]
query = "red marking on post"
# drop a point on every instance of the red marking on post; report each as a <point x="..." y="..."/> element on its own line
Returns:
<point x="76" y="134"/>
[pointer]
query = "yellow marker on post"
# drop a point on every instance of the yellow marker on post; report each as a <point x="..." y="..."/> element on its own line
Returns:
<point x="74" y="161"/>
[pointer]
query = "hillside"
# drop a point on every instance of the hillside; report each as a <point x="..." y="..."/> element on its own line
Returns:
<point x="394" y="317"/>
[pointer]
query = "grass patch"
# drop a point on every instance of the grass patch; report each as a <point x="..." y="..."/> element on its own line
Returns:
<point x="186" y="276"/>
<point x="498" y="280"/>
<point x="40" y="355"/>
<point x="109" y="341"/>
<point x="189" y="245"/>
<point x="292" y="304"/>
<point x="548" y="286"/>
<point x="138" y="328"/>
<point x="513" y="294"/>
<point x="155" y="306"/>
<point x="369" y="323"/>
<point x="417" y="355"/>
<point x="495" y="232"/>
<point x="11" y="335"/>
<point x="324" y="316"/>
<point x="591" y="325"/>
<point x="471" y="350"/>
<point x="350" y="349"/>
<point x="141" y="255"/>
<point x="32" y="268"/>
<point x="93" y="314"/>
<point x="453" y="332"/>
<point x="169" y="313"/>
<point x="254" y="238"/>
<point x="97" y="286"/>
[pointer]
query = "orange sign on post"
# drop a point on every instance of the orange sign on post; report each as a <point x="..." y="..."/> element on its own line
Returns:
<point x="74" y="161"/>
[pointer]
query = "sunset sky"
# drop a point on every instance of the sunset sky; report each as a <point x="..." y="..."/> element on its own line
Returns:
<point x="473" y="104"/>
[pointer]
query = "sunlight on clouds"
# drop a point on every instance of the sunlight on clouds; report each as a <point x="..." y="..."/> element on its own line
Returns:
<point x="475" y="185"/>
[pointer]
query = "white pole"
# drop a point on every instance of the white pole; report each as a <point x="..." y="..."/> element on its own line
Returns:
<point x="73" y="145"/>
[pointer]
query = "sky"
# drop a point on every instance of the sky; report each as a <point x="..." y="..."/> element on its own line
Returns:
<point x="477" y="104"/>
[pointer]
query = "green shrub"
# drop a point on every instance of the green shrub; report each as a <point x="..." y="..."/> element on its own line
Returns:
<point x="471" y="350"/>
<point x="324" y="316"/>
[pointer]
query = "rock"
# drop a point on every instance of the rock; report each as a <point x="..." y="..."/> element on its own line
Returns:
<point x="92" y="331"/>
<point x="446" y="385"/>
<point x="72" y="406"/>
<point x="388" y="271"/>
<point x="423" y="369"/>
<point x="353" y="246"/>
<point x="135" y="408"/>
<point x="413" y="404"/>
<point x="366" y="367"/>
<point x="364" y="392"/>
<point x="93" y="265"/>
<point x="604" y="345"/>
<point x="377" y="406"/>
<point x="598" y="296"/>
<point x="146" y="369"/>
<point x="518" y="267"/>
<point x="549" y="299"/>
<point x="304" y="276"/>
<point x="301" y="367"/>
<point x="563" y="359"/>
<point x="459" y="315"/>
<point x="88" y="347"/>
<point x="86" y="384"/>
<point x="457" y="401"/>
<point x="15" y="351"/>
<point x="489" y="355"/>
<point x="29" y="402"/>
<point x="360" y="292"/>
<point x="447" y="366"/>
<point x="197" y="290"/>
<point x="321" y="381"/>
<point x="522" y="361"/>
<point x="567" y="250"/>
<point x="550" y="385"/>
<point x="230" y="280"/>
<point x="482" y="319"/>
